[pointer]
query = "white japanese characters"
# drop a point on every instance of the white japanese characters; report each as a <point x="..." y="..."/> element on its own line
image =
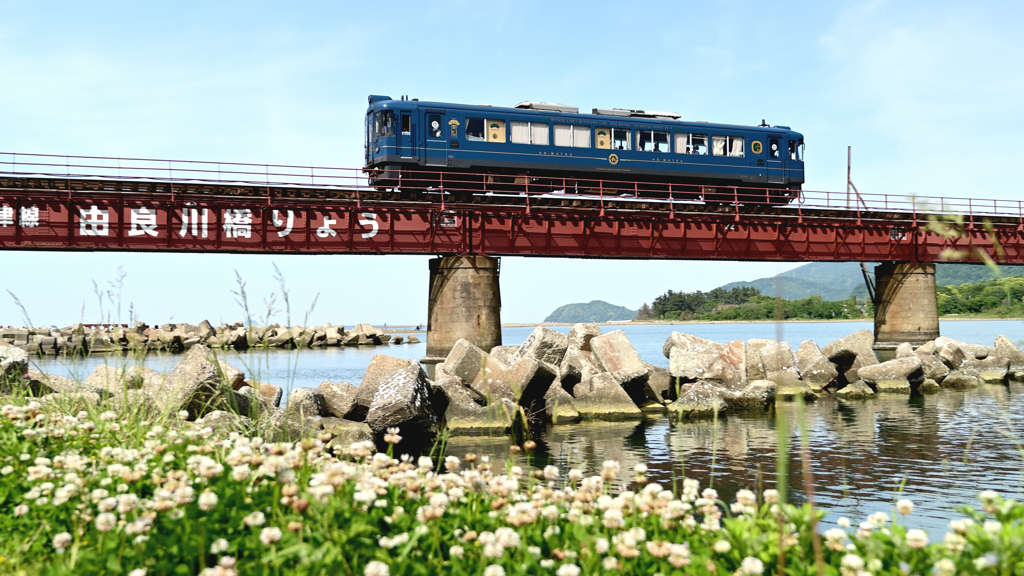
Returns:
<point x="238" y="223"/>
<point x="29" y="217"/>
<point x="143" y="222"/>
<point x="93" y="222"/>
<point x="6" y="216"/>
<point x="287" y="225"/>
<point x="199" y="219"/>
<point x="325" y="230"/>
<point x="369" y="219"/>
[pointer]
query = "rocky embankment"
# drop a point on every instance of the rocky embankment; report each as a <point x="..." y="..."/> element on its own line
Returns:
<point x="81" y="338"/>
<point x="551" y="377"/>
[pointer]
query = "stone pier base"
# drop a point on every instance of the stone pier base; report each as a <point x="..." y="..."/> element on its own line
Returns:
<point x="465" y="302"/>
<point x="906" y="307"/>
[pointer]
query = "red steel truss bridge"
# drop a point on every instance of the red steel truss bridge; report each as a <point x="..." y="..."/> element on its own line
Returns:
<point x="50" y="202"/>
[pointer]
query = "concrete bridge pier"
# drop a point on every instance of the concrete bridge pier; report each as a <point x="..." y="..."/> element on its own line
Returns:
<point x="906" y="307"/>
<point x="465" y="302"/>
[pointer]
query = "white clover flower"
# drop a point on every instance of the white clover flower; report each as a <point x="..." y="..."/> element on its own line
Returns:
<point x="376" y="568"/>
<point x="533" y="550"/>
<point x="601" y="545"/>
<point x="62" y="541"/>
<point x="207" y="501"/>
<point x="456" y="551"/>
<point x="551" y="472"/>
<point x="844" y="522"/>
<point x="878" y="519"/>
<point x="494" y="570"/>
<point x="219" y="545"/>
<point x="904" y="506"/>
<point x="182" y="414"/>
<point x="993" y="527"/>
<point x="613" y="518"/>
<point x="771" y="496"/>
<point x="751" y="566"/>
<point x="6" y="470"/>
<point x="255" y="519"/>
<point x="270" y="535"/>
<point x="105" y="522"/>
<point x="547" y="563"/>
<point x="990" y="560"/>
<point x="722" y="547"/>
<point x="610" y="563"/>
<point x="917" y="538"/>
<point x="21" y="510"/>
<point x="108" y="416"/>
<point x="138" y="572"/>
<point x="944" y="567"/>
<point x="575" y="474"/>
<point x="988" y="496"/>
<point x="568" y="570"/>
<point x="493" y="550"/>
<point x="640" y="468"/>
<point x="107" y="504"/>
<point x="853" y="562"/>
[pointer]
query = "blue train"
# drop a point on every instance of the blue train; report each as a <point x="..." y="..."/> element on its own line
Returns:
<point x="536" y="146"/>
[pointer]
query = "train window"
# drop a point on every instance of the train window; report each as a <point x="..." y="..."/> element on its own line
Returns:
<point x="691" y="143"/>
<point x="539" y="133"/>
<point x="475" y="129"/>
<point x="434" y="125"/>
<point x="572" y="136"/>
<point x="718" y="145"/>
<point x="651" y="141"/>
<point x="581" y="136"/>
<point x="773" y="148"/>
<point x="406" y="124"/>
<point x="529" y="133"/>
<point x="620" y="139"/>
<point x="563" y="135"/>
<point x="736" y="146"/>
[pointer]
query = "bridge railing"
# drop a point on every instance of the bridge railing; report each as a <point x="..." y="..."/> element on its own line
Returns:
<point x="197" y="171"/>
<point x="455" y="185"/>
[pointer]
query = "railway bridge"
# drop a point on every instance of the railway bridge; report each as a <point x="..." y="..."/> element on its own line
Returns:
<point x="77" y="203"/>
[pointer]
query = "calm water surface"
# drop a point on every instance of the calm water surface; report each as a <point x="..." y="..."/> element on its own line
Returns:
<point x="941" y="449"/>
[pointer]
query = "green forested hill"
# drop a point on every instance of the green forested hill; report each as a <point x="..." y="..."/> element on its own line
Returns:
<point x="840" y="280"/>
<point x="595" y="311"/>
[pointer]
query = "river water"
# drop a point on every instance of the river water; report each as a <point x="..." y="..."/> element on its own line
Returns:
<point x="939" y="449"/>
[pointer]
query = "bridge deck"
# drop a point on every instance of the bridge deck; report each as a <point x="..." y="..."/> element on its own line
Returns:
<point x="79" y="203"/>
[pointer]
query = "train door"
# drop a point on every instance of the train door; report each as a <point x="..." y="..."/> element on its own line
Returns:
<point x="406" y="144"/>
<point x="437" y="141"/>
<point x="776" y="170"/>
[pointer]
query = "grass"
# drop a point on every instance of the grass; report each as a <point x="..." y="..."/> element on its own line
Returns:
<point x="94" y="490"/>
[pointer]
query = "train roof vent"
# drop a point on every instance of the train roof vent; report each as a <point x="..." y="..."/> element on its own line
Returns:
<point x="548" y="107"/>
<point x="627" y="113"/>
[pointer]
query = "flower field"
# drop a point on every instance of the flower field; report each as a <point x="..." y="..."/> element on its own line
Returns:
<point x="86" y="490"/>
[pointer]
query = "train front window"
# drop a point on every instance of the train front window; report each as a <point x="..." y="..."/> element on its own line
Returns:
<point x="387" y="127"/>
<point x="796" y="150"/>
<point x="406" y="124"/>
<point x="475" y="129"/>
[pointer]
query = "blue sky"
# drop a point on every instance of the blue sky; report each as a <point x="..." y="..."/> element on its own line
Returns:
<point x="927" y="93"/>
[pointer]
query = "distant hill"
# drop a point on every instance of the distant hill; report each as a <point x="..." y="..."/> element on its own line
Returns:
<point x="839" y="280"/>
<point x="596" y="311"/>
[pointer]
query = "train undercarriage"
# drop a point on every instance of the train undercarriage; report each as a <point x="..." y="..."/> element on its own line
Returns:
<point x="463" y="185"/>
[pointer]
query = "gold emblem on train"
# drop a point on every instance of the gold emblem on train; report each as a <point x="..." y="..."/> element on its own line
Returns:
<point x="455" y="127"/>
<point x="755" y="147"/>
<point x="613" y="159"/>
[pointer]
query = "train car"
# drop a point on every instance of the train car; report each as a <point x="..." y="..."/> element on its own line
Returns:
<point x="543" y="147"/>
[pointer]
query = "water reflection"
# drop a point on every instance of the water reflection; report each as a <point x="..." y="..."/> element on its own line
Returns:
<point x="939" y="450"/>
